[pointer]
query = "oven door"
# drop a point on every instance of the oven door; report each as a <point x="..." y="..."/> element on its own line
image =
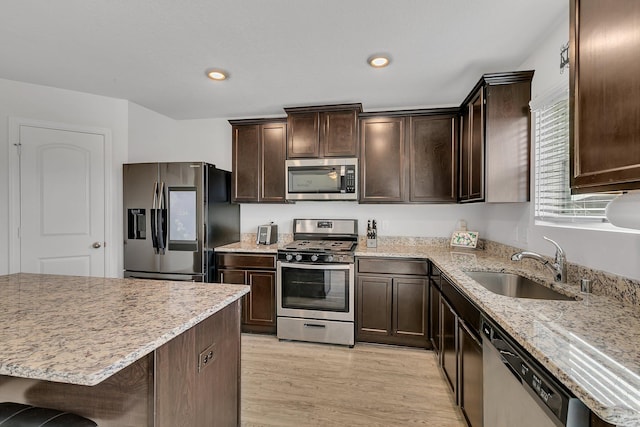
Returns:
<point x="313" y="291"/>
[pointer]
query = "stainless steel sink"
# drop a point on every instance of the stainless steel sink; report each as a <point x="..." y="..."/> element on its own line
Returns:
<point x="514" y="285"/>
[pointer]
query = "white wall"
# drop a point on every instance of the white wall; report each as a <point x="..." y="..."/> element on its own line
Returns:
<point x="29" y="101"/>
<point x="393" y="220"/>
<point x="157" y="138"/>
<point x="612" y="251"/>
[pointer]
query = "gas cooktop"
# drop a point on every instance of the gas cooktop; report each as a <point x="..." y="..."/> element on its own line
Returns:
<point x="321" y="245"/>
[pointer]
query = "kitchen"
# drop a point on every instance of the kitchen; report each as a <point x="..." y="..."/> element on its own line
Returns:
<point x="141" y="134"/>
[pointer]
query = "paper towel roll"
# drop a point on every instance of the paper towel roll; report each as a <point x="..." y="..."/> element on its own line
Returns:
<point x="624" y="210"/>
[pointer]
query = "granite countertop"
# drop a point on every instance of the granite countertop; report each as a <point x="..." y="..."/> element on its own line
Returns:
<point x="82" y="330"/>
<point x="590" y="345"/>
<point x="249" y="246"/>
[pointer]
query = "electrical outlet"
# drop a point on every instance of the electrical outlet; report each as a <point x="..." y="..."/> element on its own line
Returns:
<point x="207" y="356"/>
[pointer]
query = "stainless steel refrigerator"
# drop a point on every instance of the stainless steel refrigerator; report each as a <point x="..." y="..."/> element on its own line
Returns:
<point x="175" y="214"/>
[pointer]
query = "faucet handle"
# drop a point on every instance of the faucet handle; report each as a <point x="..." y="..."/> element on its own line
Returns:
<point x="559" y="250"/>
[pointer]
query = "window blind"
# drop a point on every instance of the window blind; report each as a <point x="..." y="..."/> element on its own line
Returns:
<point x="553" y="199"/>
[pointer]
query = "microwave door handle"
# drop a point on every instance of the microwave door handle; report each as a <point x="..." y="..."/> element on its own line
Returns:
<point x="343" y="184"/>
<point x="154" y="222"/>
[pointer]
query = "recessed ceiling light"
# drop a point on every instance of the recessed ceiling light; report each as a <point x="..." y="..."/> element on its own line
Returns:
<point x="378" y="61"/>
<point x="217" y="74"/>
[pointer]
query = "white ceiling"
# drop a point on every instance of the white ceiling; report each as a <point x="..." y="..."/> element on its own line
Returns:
<point x="278" y="52"/>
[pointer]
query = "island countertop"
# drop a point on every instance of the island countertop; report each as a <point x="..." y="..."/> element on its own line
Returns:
<point x="82" y="330"/>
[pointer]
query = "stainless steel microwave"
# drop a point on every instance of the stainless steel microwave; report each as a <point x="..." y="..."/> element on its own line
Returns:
<point x="322" y="179"/>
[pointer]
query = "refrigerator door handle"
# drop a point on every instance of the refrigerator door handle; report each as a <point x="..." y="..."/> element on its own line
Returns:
<point x="154" y="213"/>
<point x="161" y="223"/>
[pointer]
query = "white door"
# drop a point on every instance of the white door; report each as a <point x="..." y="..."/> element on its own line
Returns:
<point x="62" y="208"/>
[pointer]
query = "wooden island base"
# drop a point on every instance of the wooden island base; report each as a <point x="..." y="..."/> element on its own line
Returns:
<point x="170" y="387"/>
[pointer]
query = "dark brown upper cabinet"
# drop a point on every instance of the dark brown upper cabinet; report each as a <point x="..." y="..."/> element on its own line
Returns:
<point x="472" y="149"/>
<point x="382" y="160"/>
<point x="408" y="156"/>
<point x="325" y="131"/>
<point x="604" y="92"/>
<point x="258" y="156"/>
<point x="495" y="139"/>
<point x="432" y="158"/>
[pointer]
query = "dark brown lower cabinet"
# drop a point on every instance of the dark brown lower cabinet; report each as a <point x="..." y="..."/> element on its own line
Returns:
<point x="434" y="310"/>
<point x="392" y="308"/>
<point x="374" y="307"/>
<point x="259" y="305"/>
<point x="460" y="348"/>
<point x="449" y="357"/>
<point x="470" y="375"/>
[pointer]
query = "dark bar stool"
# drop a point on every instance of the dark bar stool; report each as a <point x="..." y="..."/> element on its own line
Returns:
<point x="19" y="415"/>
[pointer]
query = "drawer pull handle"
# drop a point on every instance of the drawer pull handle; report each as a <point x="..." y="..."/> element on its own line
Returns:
<point x="312" y="325"/>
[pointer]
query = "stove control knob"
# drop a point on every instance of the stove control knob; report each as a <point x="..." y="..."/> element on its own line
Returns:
<point x="298" y="257"/>
<point x="289" y="257"/>
<point x="329" y="258"/>
<point x="314" y="257"/>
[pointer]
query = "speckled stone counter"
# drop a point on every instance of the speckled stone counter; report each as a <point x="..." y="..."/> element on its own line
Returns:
<point x="82" y="330"/>
<point x="590" y="345"/>
<point x="249" y="247"/>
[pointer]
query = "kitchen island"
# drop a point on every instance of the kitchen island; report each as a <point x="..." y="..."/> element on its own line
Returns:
<point x="122" y="352"/>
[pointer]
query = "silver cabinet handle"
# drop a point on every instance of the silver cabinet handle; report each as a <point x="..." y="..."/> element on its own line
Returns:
<point x="96" y="245"/>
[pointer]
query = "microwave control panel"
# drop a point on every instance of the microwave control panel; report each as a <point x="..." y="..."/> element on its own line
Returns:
<point x="350" y="179"/>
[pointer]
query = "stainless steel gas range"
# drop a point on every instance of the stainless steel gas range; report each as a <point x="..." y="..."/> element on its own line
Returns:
<point x="316" y="290"/>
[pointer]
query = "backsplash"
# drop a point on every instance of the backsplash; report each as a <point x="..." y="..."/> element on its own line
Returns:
<point x="613" y="286"/>
<point x="617" y="287"/>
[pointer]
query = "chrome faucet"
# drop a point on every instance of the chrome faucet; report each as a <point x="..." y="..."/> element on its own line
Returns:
<point x="559" y="266"/>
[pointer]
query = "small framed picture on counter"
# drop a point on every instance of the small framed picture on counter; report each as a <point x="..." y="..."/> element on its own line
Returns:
<point x="464" y="239"/>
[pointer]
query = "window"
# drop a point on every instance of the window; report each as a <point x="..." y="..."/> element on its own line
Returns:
<point x="553" y="199"/>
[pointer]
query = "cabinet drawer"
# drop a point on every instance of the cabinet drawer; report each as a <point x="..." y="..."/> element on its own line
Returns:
<point x="393" y="266"/>
<point x="466" y="310"/>
<point x="226" y="260"/>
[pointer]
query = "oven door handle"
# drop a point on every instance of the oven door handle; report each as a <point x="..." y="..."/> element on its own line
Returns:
<point x="305" y="266"/>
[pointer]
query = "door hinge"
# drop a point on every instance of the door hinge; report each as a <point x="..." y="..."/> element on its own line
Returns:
<point x="18" y="148"/>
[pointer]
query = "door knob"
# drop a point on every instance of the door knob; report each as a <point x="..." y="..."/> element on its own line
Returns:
<point x="96" y="245"/>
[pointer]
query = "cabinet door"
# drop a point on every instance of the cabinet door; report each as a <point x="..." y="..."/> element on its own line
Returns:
<point x="410" y="309"/>
<point x="476" y="148"/>
<point x="465" y="153"/>
<point x="605" y="88"/>
<point x="304" y="135"/>
<point x="374" y="307"/>
<point x="246" y="163"/>
<point x="236" y="277"/>
<point x="434" y="314"/>
<point x="339" y="134"/>
<point x="470" y="381"/>
<point x="261" y="305"/>
<point x="382" y="160"/>
<point x="507" y="144"/>
<point x="432" y="159"/>
<point x="274" y="152"/>
<point x="448" y="331"/>
<point x="472" y="150"/>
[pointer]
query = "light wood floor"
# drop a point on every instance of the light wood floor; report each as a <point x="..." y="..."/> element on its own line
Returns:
<point x="301" y="384"/>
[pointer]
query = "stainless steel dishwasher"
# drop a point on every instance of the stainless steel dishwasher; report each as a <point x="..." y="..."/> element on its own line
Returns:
<point x="517" y="390"/>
